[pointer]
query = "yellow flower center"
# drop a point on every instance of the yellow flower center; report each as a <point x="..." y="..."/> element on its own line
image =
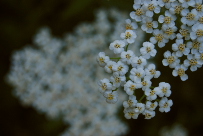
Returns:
<point x="167" y="20"/>
<point x="128" y="35"/>
<point x="181" y="47"/>
<point x="132" y="87"/>
<point x="110" y="96"/>
<point x="151" y="7"/>
<point x="184" y="32"/>
<point x="190" y="16"/>
<point x="101" y="59"/>
<point x="118" y="79"/>
<point x="170" y="59"/>
<point x="130" y="103"/>
<point x="139" y="61"/>
<point x="149" y="24"/>
<point x="199" y="32"/>
<point x="178" y="9"/>
<point x="138" y="74"/>
<point x="128" y="27"/>
<point x="139" y="12"/>
<point x="144" y="83"/>
<point x="127" y="56"/>
<point x="117" y="46"/>
<point x="159" y="37"/>
<point x="164" y="89"/>
<point x="181" y="72"/>
<point x="104" y="86"/>
<point x="165" y="105"/>
<point x="193" y="62"/>
<point x="201" y="20"/>
<point x="198" y="7"/>
<point x="152" y="71"/>
<point x="120" y="68"/>
<point x="196" y="45"/>
<point x="152" y="92"/>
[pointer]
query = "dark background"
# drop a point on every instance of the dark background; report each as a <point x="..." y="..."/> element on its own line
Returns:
<point x="19" y="22"/>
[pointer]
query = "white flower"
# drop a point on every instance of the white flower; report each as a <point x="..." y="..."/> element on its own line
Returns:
<point x="199" y="56"/>
<point x="148" y="114"/>
<point x="176" y="8"/>
<point x="109" y="66"/>
<point x="168" y="19"/>
<point x="189" y="18"/>
<point x="180" y="48"/>
<point x="140" y="107"/>
<point x="130" y="25"/>
<point x="117" y="46"/>
<point x="170" y="59"/>
<point x="130" y="113"/>
<point x="138" y="13"/>
<point x="117" y="80"/>
<point x="165" y="104"/>
<point x="129" y="36"/>
<point x="180" y="71"/>
<point x="137" y="72"/>
<point x="138" y="62"/>
<point x="127" y="56"/>
<point x="151" y="94"/>
<point x="102" y="59"/>
<point x="192" y="62"/>
<point x="151" y="71"/>
<point x="146" y="83"/>
<point x="129" y="87"/>
<point x="148" y="50"/>
<point x="197" y="32"/>
<point x="195" y="46"/>
<point x="111" y="97"/>
<point x="120" y="68"/>
<point x="150" y="7"/>
<point x="159" y="38"/>
<point x="163" y="89"/>
<point x="184" y="32"/>
<point x="148" y="24"/>
<point x="169" y="31"/>
<point x="105" y="85"/>
<point x="198" y="6"/>
<point x="151" y="106"/>
<point x="131" y="102"/>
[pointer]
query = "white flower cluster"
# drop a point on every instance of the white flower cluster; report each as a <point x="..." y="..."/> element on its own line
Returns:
<point x="131" y="70"/>
<point x="183" y="22"/>
<point x="180" y="21"/>
<point x="57" y="77"/>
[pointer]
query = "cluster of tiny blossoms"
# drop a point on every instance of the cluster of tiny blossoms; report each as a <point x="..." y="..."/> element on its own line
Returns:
<point x="57" y="76"/>
<point x="180" y="21"/>
<point x="133" y="72"/>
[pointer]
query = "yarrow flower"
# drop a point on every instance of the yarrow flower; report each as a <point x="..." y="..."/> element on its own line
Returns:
<point x="181" y="21"/>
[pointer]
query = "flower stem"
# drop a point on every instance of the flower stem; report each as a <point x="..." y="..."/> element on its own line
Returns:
<point x="142" y="98"/>
<point x="126" y="47"/>
<point x="115" y="58"/>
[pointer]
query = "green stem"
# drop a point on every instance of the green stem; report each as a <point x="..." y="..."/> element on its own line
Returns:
<point x="152" y="87"/>
<point x="127" y="78"/>
<point x="142" y="98"/>
<point x="126" y="47"/>
<point x="115" y="58"/>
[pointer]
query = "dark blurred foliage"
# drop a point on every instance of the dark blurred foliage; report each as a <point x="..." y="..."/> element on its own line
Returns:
<point x="19" y="22"/>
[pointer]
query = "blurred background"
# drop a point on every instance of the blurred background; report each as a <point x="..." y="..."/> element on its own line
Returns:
<point x="19" y="22"/>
